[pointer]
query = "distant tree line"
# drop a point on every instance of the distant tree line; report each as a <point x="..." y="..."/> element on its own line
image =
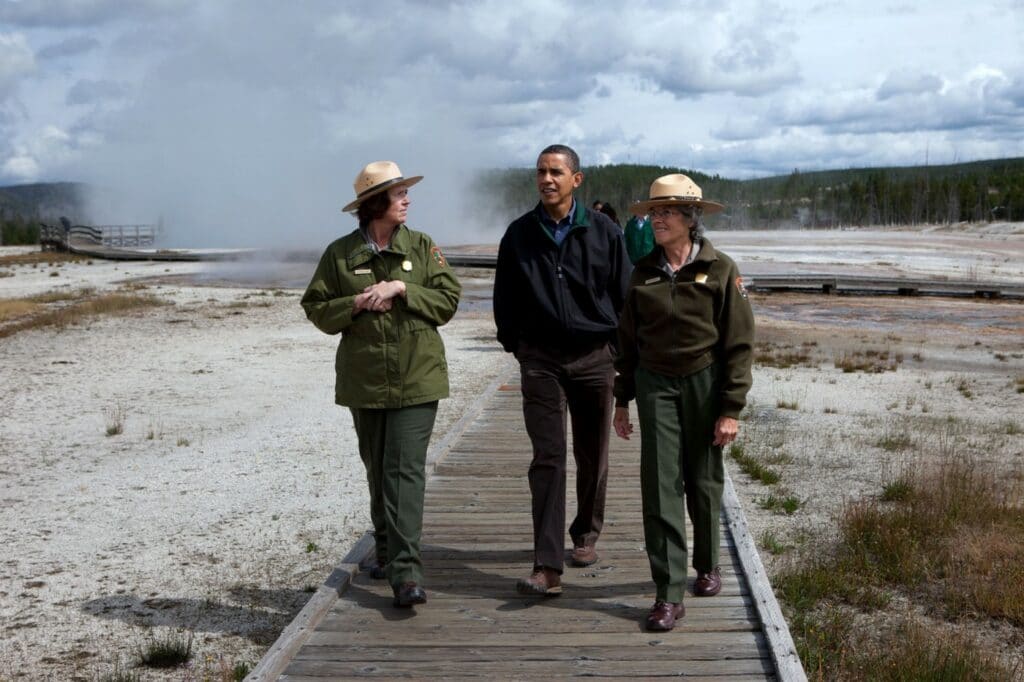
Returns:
<point x="24" y="207"/>
<point x="981" y="191"/>
<point x="19" y="230"/>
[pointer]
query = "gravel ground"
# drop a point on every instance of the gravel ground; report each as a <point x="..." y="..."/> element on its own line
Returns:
<point x="234" y="487"/>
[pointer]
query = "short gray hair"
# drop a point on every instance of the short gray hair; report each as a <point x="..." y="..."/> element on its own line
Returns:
<point x="697" y="231"/>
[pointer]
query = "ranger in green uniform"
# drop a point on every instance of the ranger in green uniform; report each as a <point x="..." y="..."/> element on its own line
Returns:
<point x="386" y="289"/>
<point x="685" y="347"/>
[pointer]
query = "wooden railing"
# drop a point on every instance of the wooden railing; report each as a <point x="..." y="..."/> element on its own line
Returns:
<point x="58" y="237"/>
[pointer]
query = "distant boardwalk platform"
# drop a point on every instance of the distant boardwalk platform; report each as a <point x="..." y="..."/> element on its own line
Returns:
<point x="68" y="237"/>
<point x="478" y="541"/>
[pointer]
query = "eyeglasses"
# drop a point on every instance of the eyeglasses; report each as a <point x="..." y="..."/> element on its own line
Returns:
<point x="663" y="213"/>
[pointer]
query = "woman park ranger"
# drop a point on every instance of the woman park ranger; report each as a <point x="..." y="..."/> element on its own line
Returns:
<point x="386" y="288"/>
<point x="685" y="342"/>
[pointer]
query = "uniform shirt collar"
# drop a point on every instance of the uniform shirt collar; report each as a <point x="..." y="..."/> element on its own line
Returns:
<point x="663" y="262"/>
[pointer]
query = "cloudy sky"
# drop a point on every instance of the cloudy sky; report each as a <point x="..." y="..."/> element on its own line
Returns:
<point x="259" y="112"/>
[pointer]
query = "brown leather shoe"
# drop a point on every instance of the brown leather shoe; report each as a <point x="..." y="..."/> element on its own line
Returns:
<point x="663" y="615"/>
<point x="543" y="581"/>
<point x="408" y="594"/>
<point x="584" y="555"/>
<point x="708" y="584"/>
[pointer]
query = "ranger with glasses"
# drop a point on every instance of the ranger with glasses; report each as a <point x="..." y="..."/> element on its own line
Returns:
<point x="685" y="346"/>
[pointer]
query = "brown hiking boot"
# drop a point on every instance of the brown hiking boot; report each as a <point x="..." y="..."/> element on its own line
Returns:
<point x="708" y="584"/>
<point x="543" y="581"/>
<point x="584" y="555"/>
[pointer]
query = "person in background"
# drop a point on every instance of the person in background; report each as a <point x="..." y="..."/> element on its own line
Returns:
<point x="685" y="347"/>
<point x="386" y="288"/>
<point x="607" y="209"/>
<point x="639" y="237"/>
<point x="597" y="204"/>
<point x="558" y="289"/>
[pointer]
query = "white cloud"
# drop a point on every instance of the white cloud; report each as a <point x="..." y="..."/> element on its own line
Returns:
<point x="78" y="13"/>
<point x="69" y="47"/>
<point x="194" y="109"/>
<point x="16" y="62"/>
<point x="21" y="168"/>
<point x="906" y="82"/>
<point x="94" y="91"/>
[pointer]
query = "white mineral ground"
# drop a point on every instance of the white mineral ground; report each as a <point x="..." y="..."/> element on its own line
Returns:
<point x="236" y="485"/>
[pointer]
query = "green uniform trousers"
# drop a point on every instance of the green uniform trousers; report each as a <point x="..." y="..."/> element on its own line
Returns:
<point x="679" y="463"/>
<point x="393" y="445"/>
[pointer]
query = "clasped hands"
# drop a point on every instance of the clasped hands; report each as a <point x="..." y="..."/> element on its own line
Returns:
<point x="379" y="297"/>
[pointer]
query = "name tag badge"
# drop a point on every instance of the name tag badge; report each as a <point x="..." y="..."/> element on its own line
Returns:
<point x="652" y="280"/>
<point x="701" y="278"/>
<point x="363" y="271"/>
<point x="407" y="265"/>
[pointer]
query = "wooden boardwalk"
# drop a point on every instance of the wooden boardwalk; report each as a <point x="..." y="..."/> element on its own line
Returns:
<point x="478" y="541"/>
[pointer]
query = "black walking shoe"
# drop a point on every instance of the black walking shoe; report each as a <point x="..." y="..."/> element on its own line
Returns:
<point x="408" y="594"/>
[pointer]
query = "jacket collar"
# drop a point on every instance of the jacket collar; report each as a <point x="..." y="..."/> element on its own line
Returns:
<point x="362" y="252"/>
<point x="580" y="217"/>
<point x="705" y="257"/>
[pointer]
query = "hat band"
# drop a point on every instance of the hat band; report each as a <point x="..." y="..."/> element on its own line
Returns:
<point x="676" y="197"/>
<point x="379" y="186"/>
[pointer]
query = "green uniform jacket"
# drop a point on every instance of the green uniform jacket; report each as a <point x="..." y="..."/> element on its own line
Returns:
<point x="679" y="324"/>
<point x="391" y="359"/>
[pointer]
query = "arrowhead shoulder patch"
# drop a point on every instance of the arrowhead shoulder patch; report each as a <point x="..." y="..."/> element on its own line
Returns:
<point x="435" y="253"/>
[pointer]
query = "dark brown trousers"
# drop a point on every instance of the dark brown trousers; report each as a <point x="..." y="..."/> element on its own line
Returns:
<point x="551" y="381"/>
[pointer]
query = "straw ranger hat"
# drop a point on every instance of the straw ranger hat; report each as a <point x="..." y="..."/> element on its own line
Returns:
<point x="377" y="177"/>
<point x="675" y="190"/>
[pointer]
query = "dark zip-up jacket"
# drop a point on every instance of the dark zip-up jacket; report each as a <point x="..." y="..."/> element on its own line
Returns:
<point x="679" y="324"/>
<point x="564" y="296"/>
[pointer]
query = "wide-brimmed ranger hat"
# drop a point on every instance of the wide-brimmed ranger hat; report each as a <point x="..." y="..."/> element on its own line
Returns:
<point x="675" y="190"/>
<point x="377" y="177"/>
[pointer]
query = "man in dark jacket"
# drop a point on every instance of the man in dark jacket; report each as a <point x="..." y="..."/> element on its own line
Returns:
<point x="559" y="287"/>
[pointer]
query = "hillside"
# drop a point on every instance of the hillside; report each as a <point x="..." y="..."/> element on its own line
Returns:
<point x="45" y="200"/>
<point x="974" y="192"/>
<point x="23" y="207"/>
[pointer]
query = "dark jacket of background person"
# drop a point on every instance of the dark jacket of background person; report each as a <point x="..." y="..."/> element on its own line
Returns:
<point x="678" y="325"/>
<point x="639" y="237"/>
<point x="395" y="358"/>
<point x="560" y="295"/>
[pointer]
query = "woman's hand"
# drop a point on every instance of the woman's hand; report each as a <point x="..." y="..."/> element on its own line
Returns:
<point x="726" y="429"/>
<point x="379" y="297"/>
<point x="621" y="423"/>
<point x="363" y="302"/>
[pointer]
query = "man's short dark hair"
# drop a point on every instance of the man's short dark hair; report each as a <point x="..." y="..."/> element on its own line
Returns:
<point x="374" y="207"/>
<point x="567" y="152"/>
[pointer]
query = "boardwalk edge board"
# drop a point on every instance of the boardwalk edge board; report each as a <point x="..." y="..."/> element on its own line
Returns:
<point x="280" y="654"/>
<point x="312" y="614"/>
<point x="776" y="630"/>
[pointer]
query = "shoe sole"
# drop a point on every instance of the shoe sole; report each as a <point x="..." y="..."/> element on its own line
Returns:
<point x="579" y="563"/>
<point x="408" y="604"/>
<point x="523" y="587"/>
<point x="658" y="628"/>
<point x="704" y="593"/>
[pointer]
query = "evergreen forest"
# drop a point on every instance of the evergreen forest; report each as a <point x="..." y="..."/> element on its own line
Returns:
<point x="980" y="191"/>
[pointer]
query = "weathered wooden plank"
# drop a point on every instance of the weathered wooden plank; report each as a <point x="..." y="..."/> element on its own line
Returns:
<point x="630" y="635"/>
<point x="530" y="668"/>
<point x="727" y="645"/>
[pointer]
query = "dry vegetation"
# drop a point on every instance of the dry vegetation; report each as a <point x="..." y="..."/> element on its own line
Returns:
<point x="922" y="576"/>
<point x="61" y="309"/>
<point x="36" y="258"/>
